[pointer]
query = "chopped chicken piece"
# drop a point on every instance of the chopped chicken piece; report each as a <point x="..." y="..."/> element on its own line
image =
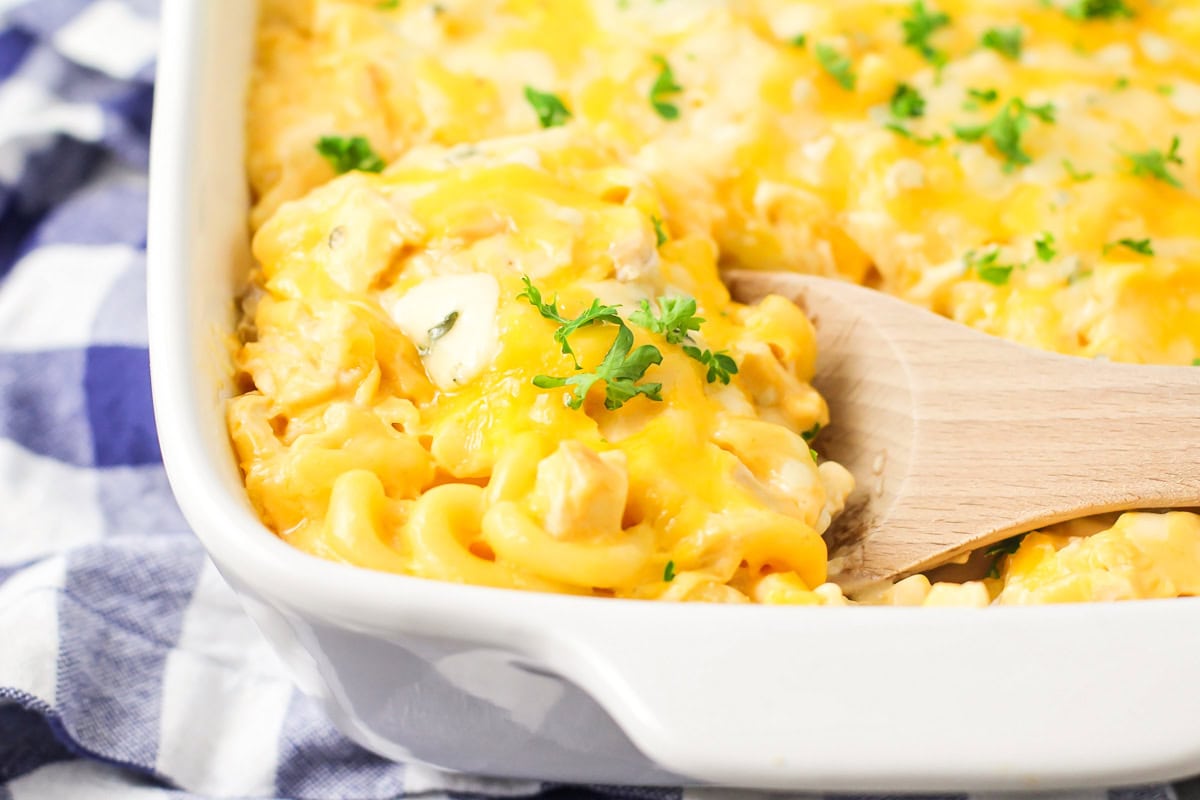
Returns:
<point x="580" y="493"/>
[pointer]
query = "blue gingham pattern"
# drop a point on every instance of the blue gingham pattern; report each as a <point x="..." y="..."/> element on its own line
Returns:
<point x="127" y="669"/>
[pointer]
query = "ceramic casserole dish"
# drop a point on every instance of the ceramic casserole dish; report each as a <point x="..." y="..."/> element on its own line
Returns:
<point x="583" y="689"/>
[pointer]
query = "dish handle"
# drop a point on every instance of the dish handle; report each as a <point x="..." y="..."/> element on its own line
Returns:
<point x="701" y="706"/>
<point x="778" y="697"/>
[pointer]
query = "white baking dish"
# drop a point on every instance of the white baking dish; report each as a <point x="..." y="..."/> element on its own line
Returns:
<point x="571" y="689"/>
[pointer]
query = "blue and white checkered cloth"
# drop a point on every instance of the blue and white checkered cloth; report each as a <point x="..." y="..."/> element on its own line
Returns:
<point x="127" y="669"/>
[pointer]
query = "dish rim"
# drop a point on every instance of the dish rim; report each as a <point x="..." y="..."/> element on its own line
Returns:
<point x="546" y="628"/>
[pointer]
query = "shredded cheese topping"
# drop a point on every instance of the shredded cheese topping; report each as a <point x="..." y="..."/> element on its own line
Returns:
<point x="1028" y="168"/>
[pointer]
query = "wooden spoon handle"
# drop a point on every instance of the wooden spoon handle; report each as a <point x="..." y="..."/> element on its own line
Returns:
<point x="1006" y="439"/>
<point x="958" y="439"/>
<point x="1044" y="439"/>
<point x="1049" y="438"/>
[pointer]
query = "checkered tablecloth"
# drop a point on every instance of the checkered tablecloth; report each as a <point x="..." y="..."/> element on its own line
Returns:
<point x="127" y="669"/>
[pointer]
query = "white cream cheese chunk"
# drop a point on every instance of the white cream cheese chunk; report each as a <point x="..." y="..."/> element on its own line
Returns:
<point x="452" y="322"/>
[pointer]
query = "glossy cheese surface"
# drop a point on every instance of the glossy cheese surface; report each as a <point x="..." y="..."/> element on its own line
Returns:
<point x="1015" y="165"/>
<point x="396" y="422"/>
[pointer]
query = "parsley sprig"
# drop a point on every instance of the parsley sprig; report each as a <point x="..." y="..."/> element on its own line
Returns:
<point x="664" y="86"/>
<point x="1156" y="164"/>
<point x="923" y="141"/>
<point x="1002" y="549"/>
<point x="660" y="233"/>
<point x="1098" y="9"/>
<point x="1006" y="129"/>
<point x="675" y="318"/>
<point x="721" y="366"/>
<point x="920" y="26"/>
<point x="622" y="368"/>
<point x="980" y="97"/>
<point x="1140" y="246"/>
<point x="596" y="312"/>
<point x="1044" y="242"/>
<point x="534" y="296"/>
<point x="839" y="67"/>
<point x="1076" y="174"/>
<point x="550" y="109"/>
<point x="346" y="154"/>
<point x="906" y="103"/>
<point x="1005" y="41"/>
<point x="988" y="269"/>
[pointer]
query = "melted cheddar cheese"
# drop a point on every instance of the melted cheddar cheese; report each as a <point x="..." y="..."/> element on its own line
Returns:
<point x="395" y="422"/>
<point x="1027" y="167"/>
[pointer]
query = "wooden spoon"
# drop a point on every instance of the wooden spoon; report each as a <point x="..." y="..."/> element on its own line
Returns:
<point x="958" y="439"/>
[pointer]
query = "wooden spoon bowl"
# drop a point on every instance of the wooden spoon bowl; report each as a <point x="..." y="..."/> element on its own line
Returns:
<point x="958" y="439"/>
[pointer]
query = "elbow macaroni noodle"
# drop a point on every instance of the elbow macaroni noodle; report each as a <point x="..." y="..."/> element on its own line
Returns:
<point x="390" y="418"/>
<point x="352" y="453"/>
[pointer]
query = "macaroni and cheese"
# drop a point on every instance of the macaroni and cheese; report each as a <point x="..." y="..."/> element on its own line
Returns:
<point x="487" y="340"/>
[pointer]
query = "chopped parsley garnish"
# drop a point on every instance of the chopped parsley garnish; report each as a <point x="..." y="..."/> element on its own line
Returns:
<point x="346" y="154"/>
<point x="721" y="365"/>
<point x="1098" y="9"/>
<point x="815" y="455"/>
<point x="907" y="102"/>
<point x="987" y="269"/>
<point x="669" y="572"/>
<point x="984" y="95"/>
<point x="1165" y="89"/>
<point x="534" y="296"/>
<point x="812" y="432"/>
<point x="1139" y="246"/>
<point x="660" y="234"/>
<point x="596" y="312"/>
<point x="924" y="141"/>
<point x="839" y="67"/>
<point x="1046" y="112"/>
<point x="620" y="370"/>
<point x="919" y="27"/>
<point x="1076" y="175"/>
<point x="1196" y="362"/>
<point x="1005" y="130"/>
<point x="388" y="5"/>
<point x="550" y="110"/>
<point x="1001" y="550"/>
<point x="1156" y="164"/>
<point x="675" y="318"/>
<point x="799" y="40"/>
<point x="1044" y="242"/>
<point x="664" y="86"/>
<point x="438" y="331"/>
<point x="1005" y="41"/>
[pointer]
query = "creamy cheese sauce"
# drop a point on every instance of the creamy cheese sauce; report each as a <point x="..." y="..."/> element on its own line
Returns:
<point x="1028" y="168"/>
